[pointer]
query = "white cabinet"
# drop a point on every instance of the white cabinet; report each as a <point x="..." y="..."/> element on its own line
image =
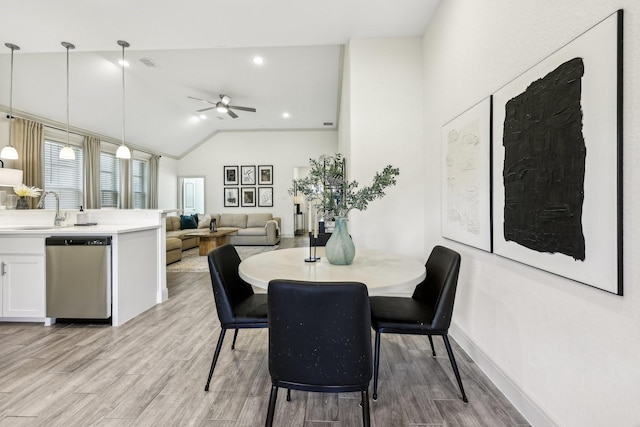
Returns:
<point x="22" y="278"/>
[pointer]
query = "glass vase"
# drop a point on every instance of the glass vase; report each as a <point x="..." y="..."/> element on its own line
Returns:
<point x="340" y="249"/>
<point x="22" y="203"/>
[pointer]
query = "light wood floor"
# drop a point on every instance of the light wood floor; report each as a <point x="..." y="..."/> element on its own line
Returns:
<point x="152" y="371"/>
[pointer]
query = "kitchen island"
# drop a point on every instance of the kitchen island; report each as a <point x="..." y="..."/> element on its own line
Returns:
<point x="138" y="273"/>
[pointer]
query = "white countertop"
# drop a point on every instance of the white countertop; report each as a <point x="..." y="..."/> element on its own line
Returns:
<point x="45" y="230"/>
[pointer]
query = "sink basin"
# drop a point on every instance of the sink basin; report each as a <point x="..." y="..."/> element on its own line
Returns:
<point x="32" y="227"/>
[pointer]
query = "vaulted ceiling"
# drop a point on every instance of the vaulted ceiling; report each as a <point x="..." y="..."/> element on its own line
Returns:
<point x="191" y="48"/>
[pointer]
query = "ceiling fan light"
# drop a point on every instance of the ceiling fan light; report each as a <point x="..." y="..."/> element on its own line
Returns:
<point x="225" y="99"/>
<point x="221" y="109"/>
<point x="123" y="152"/>
<point x="67" y="153"/>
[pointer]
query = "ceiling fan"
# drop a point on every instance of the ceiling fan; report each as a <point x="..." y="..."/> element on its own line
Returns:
<point x="223" y="106"/>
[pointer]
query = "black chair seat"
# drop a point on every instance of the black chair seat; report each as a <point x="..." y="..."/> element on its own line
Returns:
<point x="403" y="313"/>
<point x="252" y="310"/>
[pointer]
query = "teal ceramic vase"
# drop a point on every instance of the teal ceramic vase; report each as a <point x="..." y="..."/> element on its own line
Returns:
<point x="340" y="249"/>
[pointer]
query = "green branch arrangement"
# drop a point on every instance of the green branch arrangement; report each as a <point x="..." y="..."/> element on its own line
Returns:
<point x="328" y="189"/>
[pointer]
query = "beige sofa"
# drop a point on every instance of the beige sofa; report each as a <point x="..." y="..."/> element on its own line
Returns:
<point x="177" y="239"/>
<point x="254" y="229"/>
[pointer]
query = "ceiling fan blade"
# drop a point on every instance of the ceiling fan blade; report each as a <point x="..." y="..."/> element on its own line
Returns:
<point x="201" y="100"/>
<point x="232" y="114"/>
<point x="253" y="110"/>
<point x="205" y="109"/>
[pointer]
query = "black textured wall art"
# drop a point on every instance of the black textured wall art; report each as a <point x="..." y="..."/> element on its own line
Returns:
<point x="544" y="164"/>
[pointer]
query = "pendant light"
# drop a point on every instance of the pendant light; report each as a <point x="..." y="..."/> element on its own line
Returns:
<point x="67" y="152"/>
<point x="123" y="152"/>
<point x="9" y="151"/>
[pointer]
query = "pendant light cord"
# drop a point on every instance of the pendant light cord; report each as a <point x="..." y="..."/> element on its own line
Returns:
<point x="68" y="46"/>
<point x="123" y="44"/>
<point x="12" y="47"/>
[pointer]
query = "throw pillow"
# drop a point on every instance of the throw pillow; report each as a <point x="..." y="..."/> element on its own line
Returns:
<point x="204" y="222"/>
<point x="188" y="222"/>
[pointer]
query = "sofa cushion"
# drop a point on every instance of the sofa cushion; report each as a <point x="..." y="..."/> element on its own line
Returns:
<point x="173" y="223"/>
<point x="258" y="219"/>
<point x="204" y="221"/>
<point x="233" y="220"/>
<point x="188" y="222"/>
<point x="252" y="231"/>
<point x="174" y="243"/>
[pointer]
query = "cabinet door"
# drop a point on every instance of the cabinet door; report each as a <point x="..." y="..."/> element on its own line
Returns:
<point x="23" y="288"/>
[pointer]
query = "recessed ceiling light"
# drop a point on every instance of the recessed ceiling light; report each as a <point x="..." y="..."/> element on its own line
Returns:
<point x="258" y="60"/>
<point x="203" y="116"/>
<point x="123" y="63"/>
<point x="286" y="115"/>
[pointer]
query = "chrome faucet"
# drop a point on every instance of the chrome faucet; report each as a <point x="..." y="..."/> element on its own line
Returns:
<point x="59" y="218"/>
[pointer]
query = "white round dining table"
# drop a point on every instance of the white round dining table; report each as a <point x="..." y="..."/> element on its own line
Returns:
<point x="383" y="273"/>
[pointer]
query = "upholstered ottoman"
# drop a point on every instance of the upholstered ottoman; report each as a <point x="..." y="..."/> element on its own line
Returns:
<point x="174" y="249"/>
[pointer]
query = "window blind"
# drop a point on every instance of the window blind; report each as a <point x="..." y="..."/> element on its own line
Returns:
<point x="139" y="183"/>
<point x="62" y="176"/>
<point x="109" y="180"/>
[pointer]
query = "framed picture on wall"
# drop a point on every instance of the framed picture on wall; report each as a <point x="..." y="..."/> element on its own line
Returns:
<point x="231" y="175"/>
<point x="231" y="198"/>
<point x="466" y="177"/>
<point x="557" y="161"/>
<point x="248" y="175"/>
<point x="248" y="195"/>
<point x="265" y="174"/>
<point x="265" y="196"/>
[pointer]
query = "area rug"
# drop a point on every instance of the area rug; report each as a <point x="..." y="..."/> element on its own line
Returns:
<point x="192" y="262"/>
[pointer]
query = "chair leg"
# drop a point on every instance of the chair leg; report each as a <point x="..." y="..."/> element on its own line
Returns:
<point x="215" y="357"/>
<point x="272" y="406"/>
<point x="433" y="350"/>
<point x="366" y="416"/>
<point x="376" y="365"/>
<point x="452" y="359"/>
<point x="235" y="336"/>
<point x="288" y="395"/>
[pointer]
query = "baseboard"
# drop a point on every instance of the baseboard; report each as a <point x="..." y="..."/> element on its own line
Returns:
<point x="523" y="403"/>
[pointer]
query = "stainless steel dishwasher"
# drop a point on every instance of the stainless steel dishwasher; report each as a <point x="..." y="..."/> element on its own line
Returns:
<point x="78" y="277"/>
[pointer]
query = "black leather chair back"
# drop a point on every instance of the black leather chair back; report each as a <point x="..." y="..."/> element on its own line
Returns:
<point x="319" y="335"/>
<point x="228" y="288"/>
<point x="438" y="290"/>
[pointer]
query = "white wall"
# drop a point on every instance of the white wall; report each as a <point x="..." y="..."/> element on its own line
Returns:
<point x="382" y="111"/>
<point x="565" y="353"/>
<point x="284" y="150"/>
<point x="168" y="183"/>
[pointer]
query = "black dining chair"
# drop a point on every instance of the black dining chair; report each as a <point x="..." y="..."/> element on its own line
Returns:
<point x="237" y="305"/>
<point x="319" y="339"/>
<point x="427" y="312"/>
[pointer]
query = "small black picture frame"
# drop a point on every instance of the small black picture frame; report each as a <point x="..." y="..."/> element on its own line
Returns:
<point x="248" y="197"/>
<point x="231" y="176"/>
<point x="265" y="197"/>
<point x="265" y="174"/>
<point x="231" y="197"/>
<point x="248" y="175"/>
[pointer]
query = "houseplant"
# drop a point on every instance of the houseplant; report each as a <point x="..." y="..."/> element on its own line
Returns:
<point x="327" y="188"/>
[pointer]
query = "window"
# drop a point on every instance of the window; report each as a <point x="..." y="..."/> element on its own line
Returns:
<point x="139" y="184"/>
<point x="64" y="177"/>
<point x="109" y="180"/>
